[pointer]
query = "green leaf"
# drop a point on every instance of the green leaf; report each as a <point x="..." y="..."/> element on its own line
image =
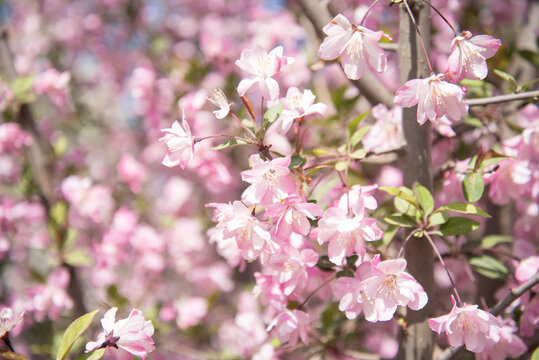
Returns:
<point x="346" y="273"/>
<point x="320" y="152"/>
<point x="273" y="113"/>
<point x="77" y="257"/>
<point x="406" y="208"/>
<point x="458" y="226"/>
<point x="513" y="85"/>
<point x="389" y="234"/>
<point x="341" y="165"/>
<point x="355" y="122"/>
<point x="358" y="135"/>
<point x="12" y="356"/>
<point x="22" y="87"/>
<point x="324" y="264"/>
<point x="74" y="330"/>
<point x="358" y="154"/>
<point x="473" y="186"/>
<point x="492" y="240"/>
<point x="529" y="83"/>
<point x="400" y="220"/>
<point x="229" y="143"/>
<point x="296" y="161"/>
<point x="403" y="193"/>
<point x="438" y="218"/>
<point x="489" y="267"/>
<point x="58" y="212"/>
<point x="424" y="198"/>
<point x="535" y="355"/>
<point x="94" y="355"/>
<point x="463" y="208"/>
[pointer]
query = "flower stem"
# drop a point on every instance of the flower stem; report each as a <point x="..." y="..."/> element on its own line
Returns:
<point x="419" y="34"/>
<point x="406" y="241"/>
<point x="441" y="15"/>
<point x="367" y="13"/>
<point x="330" y="279"/>
<point x="455" y="291"/>
<point x="243" y="126"/>
<point x="223" y="135"/>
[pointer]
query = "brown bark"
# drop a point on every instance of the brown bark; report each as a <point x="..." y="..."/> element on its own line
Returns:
<point x="416" y="339"/>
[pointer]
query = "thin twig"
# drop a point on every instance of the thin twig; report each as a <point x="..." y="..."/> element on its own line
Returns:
<point x="441" y="15"/>
<point x="503" y="98"/>
<point x="419" y="34"/>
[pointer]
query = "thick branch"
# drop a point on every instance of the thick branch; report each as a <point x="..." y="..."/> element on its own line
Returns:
<point x="497" y="310"/>
<point x="374" y="91"/>
<point x="504" y="98"/>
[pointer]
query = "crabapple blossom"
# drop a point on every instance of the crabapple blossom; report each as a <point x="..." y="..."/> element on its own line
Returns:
<point x="92" y="201"/>
<point x="13" y="138"/>
<point x="180" y="143"/>
<point x="349" y="290"/>
<point x="291" y="325"/>
<point x="218" y="98"/>
<point x="434" y="97"/>
<point x="51" y="298"/>
<point x="503" y="343"/>
<point x="8" y="320"/>
<point x="358" y="198"/>
<point x="356" y="45"/>
<point x="386" y="133"/>
<point x="346" y="234"/>
<point x="131" y="171"/>
<point x="53" y="84"/>
<point x="190" y="311"/>
<point x="262" y="66"/>
<point x="133" y="334"/>
<point x="270" y="180"/>
<point x="292" y="264"/>
<point x="293" y="216"/>
<point x="466" y="325"/>
<point x="6" y="96"/>
<point x="467" y="58"/>
<point x="389" y="286"/>
<point x="297" y="106"/>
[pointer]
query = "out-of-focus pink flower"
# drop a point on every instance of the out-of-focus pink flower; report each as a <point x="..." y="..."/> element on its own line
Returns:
<point x="6" y="95"/>
<point x="356" y="45"/>
<point x="293" y="215"/>
<point x="90" y="201"/>
<point x="262" y="66"/>
<point x="50" y="299"/>
<point x="503" y="342"/>
<point x="13" y="138"/>
<point x="8" y="320"/>
<point x="346" y="235"/>
<point x="270" y="180"/>
<point x="180" y="143"/>
<point x="53" y="84"/>
<point x="298" y="106"/>
<point x="466" y="325"/>
<point x="291" y="325"/>
<point x="218" y="98"/>
<point x="467" y="58"/>
<point x="389" y="286"/>
<point x="434" y="97"/>
<point x="386" y="133"/>
<point x="190" y="311"/>
<point x="132" y="172"/>
<point x="133" y="334"/>
<point x="527" y="269"/>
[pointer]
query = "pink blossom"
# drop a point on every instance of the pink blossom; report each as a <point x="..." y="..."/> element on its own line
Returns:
<point x="218" y="99"/>
<point x="467" y="58"/>
<point x="6" y="96"/>
<point x="389" y="286"/>
<point x="358" y="198"/>
<point x="8" y="320"/>
<point x="466" y="325"/>
<point x="270" y="180"/>
<point x="434" y="97"/>
<point x="503" y="342"/>
<point x="132" y="334"/>
<point x="50" y="299"/>
<point x="356" y="45"/>
<point x="131" y="171"/>
<point x="293" y="216"/>
<point x="53" y="84"/>
<point x="12" y="138"/>
<point x="262" y="66"/>
<point x="291" y="325"/>
<point x="292" y="267"/>
<point x="346" y="234"/>
<point x="297" y="106"/>
<point x="527" y="269"/>
<point x="386" y="133"/>
<point x="190" y="311"/>
<point x="349" y="290"/>
<point x="180" y="143"/>
<point x="94" y="202"/>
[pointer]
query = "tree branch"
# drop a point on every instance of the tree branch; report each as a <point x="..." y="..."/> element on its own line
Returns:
<point x="497" y="310"/>
<point x="373" y="90"/>
<point x="504" y="98"/>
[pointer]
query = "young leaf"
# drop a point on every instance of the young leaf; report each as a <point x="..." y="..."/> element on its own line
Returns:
<point x="355" y="122"/>
<point x="489" y="267"/>
<point x="12" y="356"/>
<point x="463" y="208"/>
<point x="492" y="240"/>
<point x="389" y="234"/>
<point x="458" y="226"/>
<point x="229" y="143"/>
<point x="424" y="198"/>
<point x="74" y="330"/>
<point x="473" y="186"/>
<point x="358" y="154"/>
<point x="341" y="165"/>
<point x="94" y="355"/>
<point x="296" y="161"/>
<point x="513" y="85"/>
<point x="405" y="207"/>
<point x="358" y="135"/>
<point x="400" y="220"/>
<point x="77" y="257"/>
<point x="273" y="113"/>
<point x="403" y="193"/>
<point x="438" y="218"/>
